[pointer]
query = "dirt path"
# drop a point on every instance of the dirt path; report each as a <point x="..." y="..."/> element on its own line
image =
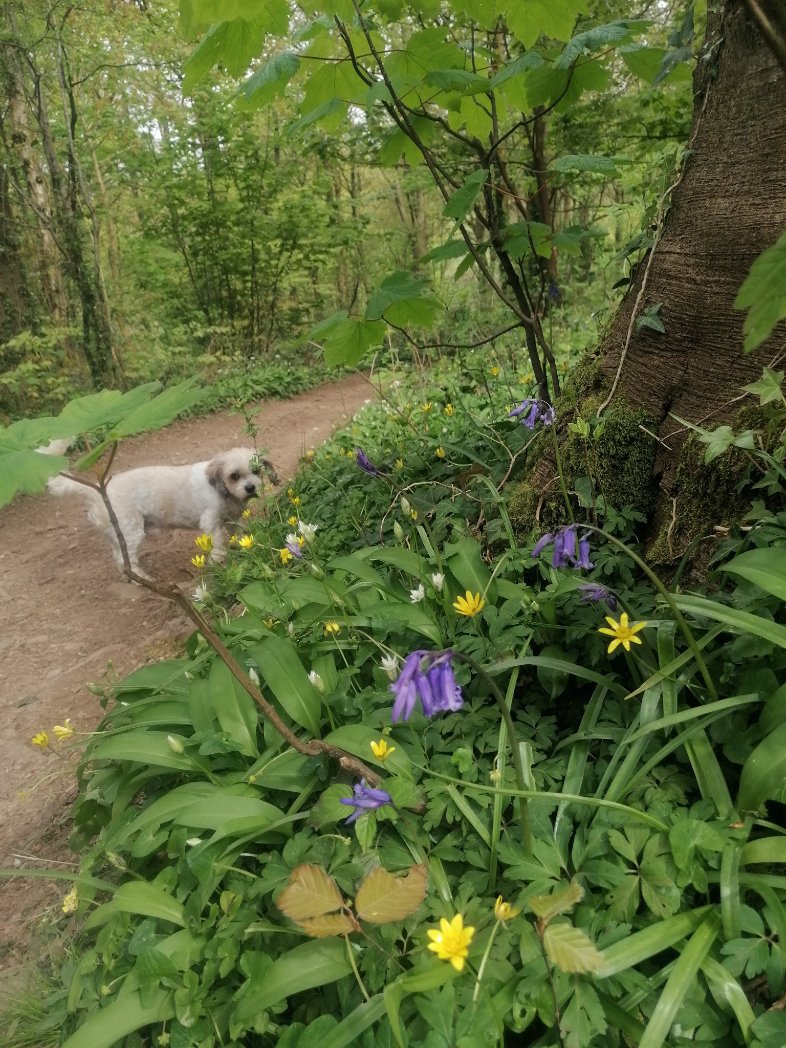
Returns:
<point x="66" y="615"/>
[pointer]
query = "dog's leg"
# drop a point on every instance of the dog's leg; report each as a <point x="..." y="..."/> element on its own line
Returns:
<point x="214" y="527"/>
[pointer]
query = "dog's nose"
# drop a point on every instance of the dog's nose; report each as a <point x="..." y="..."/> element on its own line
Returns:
<point x="251" y="487"/>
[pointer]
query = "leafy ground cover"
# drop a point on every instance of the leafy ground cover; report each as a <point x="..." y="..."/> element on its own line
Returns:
<point x="545" y="807"/>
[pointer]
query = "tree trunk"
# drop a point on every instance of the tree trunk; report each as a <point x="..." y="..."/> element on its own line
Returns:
<point x="727" y="206"/>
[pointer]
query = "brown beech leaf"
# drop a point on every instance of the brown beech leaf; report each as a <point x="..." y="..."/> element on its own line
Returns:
<point x="382" y="897"/>
<point x="329" y="924"/>
<point x="310" y="893"/>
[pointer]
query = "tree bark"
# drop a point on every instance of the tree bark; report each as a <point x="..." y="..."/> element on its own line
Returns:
<point x="727" y="206"/>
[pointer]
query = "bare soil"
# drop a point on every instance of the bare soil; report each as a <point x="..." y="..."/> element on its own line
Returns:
<point x="68" y="619"/>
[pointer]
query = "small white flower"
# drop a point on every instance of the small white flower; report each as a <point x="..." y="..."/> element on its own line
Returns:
<point x="317" y="681"/>
<point x="292" y="537"/>
<point x="307" y="530"/>
<point x="390" y="665"/>
<point x="253" y="675"/>
<point x="291" y="629"/>
<point x="175" y="745"/>
<point x="200" y="593"/>
<point x="439" y="581"/>
<point x="418" y="594"/>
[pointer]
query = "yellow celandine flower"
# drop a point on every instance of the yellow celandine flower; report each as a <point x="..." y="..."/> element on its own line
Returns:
<point x="290" y="492"/>
<point x="246" y="542"/>
<point x="295" y="500"/>
<point x="198" y="560"/>
<point x="63" y="731"/>
<point x="503" y="911"/>
<point x="623" y="632"/>
<point x="40" y="739"/>
<point x="398" y="464"/>
<point x="285" y="555"/>
<point x="440" y="453"/>
<point x="381" y="750"/>
<point x="332" y="628"/>
<point x="470" y="604"/>
<point x="204" y="542"/>
<point x="413" y="515"/>
<point x="451" y="942"/>
<point x="494" y="369"/>
<point x="449" y="409"/>
<point x="292" y="521"/>
<point x="426" y="407"/>
<point x="246" y="514"/>
<point x="71" y="901"/>
<point x="269" y="623"/>
<point x="233" y="540"/>
<point x="310" y="453"/>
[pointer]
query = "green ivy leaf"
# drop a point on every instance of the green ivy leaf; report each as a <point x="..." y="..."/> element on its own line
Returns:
<point x="763" y="294"/>
<point x="768" y="388"/>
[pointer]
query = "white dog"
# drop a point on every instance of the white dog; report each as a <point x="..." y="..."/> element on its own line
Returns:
<point x="202" y="496"/>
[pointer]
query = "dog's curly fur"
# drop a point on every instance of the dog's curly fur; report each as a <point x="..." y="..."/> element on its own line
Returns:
<point x="202" y="496"/>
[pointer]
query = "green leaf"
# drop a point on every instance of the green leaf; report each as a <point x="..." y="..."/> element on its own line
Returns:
<point x="596" y="165"/>
<point x="679" y="983"/>
<point x="399" y="300"/>
<point x="719" y="440"/>
<point x="571" y="950"/>
<point x="768" y="388"/>
<point x="231" y="44"/>
<point x="536" y="18"/>
<point x="451" y="249"/>
<point x="105" y="1026"/>
<point x="464" y="560"/>
<point x="648" y="943"/>
<point x="234" y="708"/>
<point x="357" y="738"/>
<point x="649" y="319"/>
<point x="269" y="80"/>
<point x="159" y="411"/>
<point x="548" y="906"/>
<point x="765" y="567"/>
<point x="463" y="200"/>
<point x="584" y="1017"/>
<point x="382" y="898"/>
<point x="144" y="747"/>
<point x="595" y="39"/>
<point x="763" y="776"/>
<point x="655" y="63"/>
<point x="312" y="964"/>
<point x="283" y="672"/>
<point x="274" y="14"/>
<point x="763" y="294"/>
<point x="26" y="471"/>
<point x="738" y="621"/>
<point x="141" y="898"/>
<point x="345" y="339"/>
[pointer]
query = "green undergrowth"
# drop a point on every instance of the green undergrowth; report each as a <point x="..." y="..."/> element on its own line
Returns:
<point x="588" y="845"/>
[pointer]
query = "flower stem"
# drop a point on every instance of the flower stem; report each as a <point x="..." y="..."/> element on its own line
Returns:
<point x="355" y="968"/>
<point x="518" y="767"/>
<point x="561" y="474"/>
<point x="484" y="959"/>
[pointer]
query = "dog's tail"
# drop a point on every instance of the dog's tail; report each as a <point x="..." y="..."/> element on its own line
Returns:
<point x="56" y="447"/>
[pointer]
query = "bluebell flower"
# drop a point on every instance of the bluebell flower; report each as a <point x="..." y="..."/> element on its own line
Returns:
<point x="365" y="798"/>
<point x="594" y="593"/>
<point x="570" y="551"/>
<point x="428" y="677"/>
<point x="365" y="463"/>
<point x="535" y="410"/>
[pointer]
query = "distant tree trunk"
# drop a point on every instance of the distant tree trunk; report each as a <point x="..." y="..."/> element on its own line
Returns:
<point x="728" y="206"/>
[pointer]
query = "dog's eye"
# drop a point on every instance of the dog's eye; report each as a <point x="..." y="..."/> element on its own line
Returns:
<point x="234" y="476"/>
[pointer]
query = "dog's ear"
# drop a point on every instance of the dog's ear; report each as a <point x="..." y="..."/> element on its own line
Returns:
<point x="214" y="472"/>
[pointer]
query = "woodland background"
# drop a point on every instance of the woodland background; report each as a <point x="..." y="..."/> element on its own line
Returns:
<point x="151" y="227"/>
